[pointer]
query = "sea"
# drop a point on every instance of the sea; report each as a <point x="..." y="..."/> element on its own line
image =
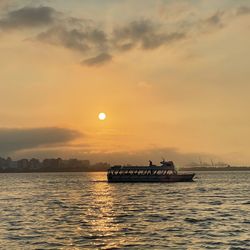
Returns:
<point x="83" y="211"/>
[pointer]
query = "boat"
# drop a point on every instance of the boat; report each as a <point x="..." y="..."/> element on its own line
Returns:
<point x="166" y="172"/>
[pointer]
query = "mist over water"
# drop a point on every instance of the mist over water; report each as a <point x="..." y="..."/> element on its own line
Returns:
<point x="83" y="211"/>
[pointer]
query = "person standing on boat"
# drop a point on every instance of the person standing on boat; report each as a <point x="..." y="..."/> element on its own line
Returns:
<point x="150" y="163"/>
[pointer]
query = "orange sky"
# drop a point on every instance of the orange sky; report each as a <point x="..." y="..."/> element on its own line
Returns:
<point x="172" y="77"/>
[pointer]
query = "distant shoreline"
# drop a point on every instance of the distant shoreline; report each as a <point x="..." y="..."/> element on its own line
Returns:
<point x="198" y="169"/>
<point x="52" y="171"/>
<point x="215" y="169"/>
<point x="57" y="165"/>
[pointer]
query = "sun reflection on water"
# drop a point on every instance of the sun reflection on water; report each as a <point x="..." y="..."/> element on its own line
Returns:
<point x="81" y="210"/>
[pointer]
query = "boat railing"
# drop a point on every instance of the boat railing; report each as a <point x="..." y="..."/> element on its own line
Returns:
<point x="137" y="172"/>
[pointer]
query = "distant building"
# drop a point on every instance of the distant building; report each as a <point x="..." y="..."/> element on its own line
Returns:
<point x="34" y="164"/>
<point x="23" y="164"/>
<point x="49" y="165"/>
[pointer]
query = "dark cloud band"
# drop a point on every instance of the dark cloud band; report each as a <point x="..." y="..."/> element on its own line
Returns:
<point x="13" y="139"/>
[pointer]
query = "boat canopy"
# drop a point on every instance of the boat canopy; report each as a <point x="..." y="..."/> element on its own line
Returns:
<point x="126" y="168"/>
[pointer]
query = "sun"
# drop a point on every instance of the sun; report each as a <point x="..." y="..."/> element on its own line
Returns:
<point x="102" y="116"/>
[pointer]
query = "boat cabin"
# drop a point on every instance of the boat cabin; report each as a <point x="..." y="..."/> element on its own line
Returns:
<point x="141" y="170"/>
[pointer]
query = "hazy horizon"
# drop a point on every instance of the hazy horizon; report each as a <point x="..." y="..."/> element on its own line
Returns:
<point x="171" y="76"/>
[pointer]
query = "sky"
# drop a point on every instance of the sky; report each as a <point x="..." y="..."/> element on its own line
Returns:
<point x="172" y="77"/>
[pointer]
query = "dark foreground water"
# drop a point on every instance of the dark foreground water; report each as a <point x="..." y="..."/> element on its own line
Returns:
<point x="83" y="211"/>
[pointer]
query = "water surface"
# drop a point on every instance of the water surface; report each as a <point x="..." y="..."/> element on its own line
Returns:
<point x="83" y="211"/>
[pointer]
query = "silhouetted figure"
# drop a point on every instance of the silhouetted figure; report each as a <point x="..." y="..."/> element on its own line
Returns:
<point x="150" y="163"/>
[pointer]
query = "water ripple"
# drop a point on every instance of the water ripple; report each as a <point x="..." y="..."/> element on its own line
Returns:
<point x="83" y="211"/>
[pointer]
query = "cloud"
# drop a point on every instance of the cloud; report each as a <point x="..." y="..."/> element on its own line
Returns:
<point x="203" y="26"/>
<point x="214" y="21"/>
<point x="84" y="36"/>
<point x="98" y="60"/>
<point x="81" y="39"/>
<point x="98" y="46"/>
<point x="80" y="35"/>
<point x="243" y="10"/>
<point x="144" y="34"/>
<point x="28" y="17"/>
<point x="14" y="139"/>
